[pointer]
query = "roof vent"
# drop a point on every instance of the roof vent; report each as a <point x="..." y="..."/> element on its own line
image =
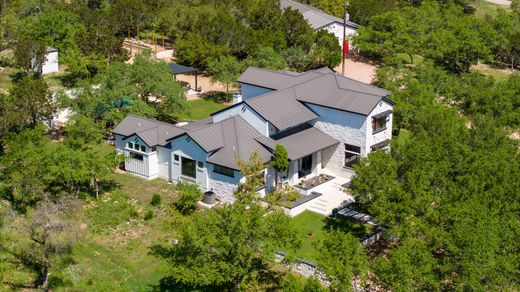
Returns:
<point x="139" y="124"/>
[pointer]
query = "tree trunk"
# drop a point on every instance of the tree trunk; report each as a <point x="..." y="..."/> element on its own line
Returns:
<point x="97" y="188"/>
<point x="411" y="58"/>
<point x="44" y="278"/>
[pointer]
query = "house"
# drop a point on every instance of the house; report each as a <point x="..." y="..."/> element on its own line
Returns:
<point x="325" y="121"/>
<point x="50" y="65"/>
<point x="321" y="20"/>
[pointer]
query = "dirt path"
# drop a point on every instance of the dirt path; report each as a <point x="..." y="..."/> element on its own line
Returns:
<point x="500" y="2"/>
<point x="358" y="70"/>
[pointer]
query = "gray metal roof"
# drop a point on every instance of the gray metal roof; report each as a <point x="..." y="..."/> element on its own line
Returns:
<point x="50" y="49"/>
<point x="229" y="140"/>
<point x="276" y="79"/>
<point x="322" y="87"/>
<point x="316" y="17"/>
<point x="281" y="109"/>
<point x="325" y="91"/>
<point x="151" y="131"/>
<point x="181" y="69"/>
<point x="303" y="142"/>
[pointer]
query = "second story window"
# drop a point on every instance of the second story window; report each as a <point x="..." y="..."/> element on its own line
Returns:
<point x="378" y="124"/>
<point x="379" y="121"/>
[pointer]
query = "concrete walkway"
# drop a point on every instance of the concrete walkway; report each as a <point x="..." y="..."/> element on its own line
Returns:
<point x="334" y="194"/>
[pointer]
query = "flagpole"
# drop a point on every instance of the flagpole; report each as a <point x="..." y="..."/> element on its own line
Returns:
<point x="344" y="39"/>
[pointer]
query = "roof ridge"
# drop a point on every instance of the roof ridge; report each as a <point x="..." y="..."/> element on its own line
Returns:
<point x="208" y="125"/>
<point x="153" y="120"/>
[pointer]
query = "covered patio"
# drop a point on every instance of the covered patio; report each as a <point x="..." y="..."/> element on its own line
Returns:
<point x="177" y="69"/>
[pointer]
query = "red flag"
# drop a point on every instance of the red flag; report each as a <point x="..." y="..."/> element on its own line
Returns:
<point x="345" y="47"/>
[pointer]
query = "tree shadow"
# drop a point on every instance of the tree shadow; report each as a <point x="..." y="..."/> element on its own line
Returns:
<point x="355" y="228"/>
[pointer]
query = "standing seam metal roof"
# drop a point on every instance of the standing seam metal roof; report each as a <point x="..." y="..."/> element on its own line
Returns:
<point x="151" y="131"/>
<point x="316" y="17"/>
<point x="281" y="109"/>
<point x="302" y="143"/>
<point x="230" y="139"/>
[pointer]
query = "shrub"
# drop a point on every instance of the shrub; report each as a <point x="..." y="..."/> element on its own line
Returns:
<point x="188" y="196"/>
<point x="148" y="215"/>
<point x="156" y="200"/>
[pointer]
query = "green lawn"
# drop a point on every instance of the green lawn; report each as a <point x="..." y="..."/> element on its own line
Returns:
<point x="200" y="109"/>
<point x="312" y="227"/>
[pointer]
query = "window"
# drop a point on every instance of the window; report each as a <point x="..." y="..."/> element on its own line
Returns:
<point x="154" y="148"/>
<point x="130" y="145"/>
<point x="188" y="167"/>
<point x="224" y="170"/>
<point x="200" y="164"/>
<point x="351" y="154"/>
<point x="176" y="157"/>
<point x="379" y="123"/>
<point x="380" y="145"/>
<point x="143" y="148"/>
<point x="136" y="156"/>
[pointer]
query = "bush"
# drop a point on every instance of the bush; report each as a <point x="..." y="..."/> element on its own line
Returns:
<point x="188" y="196"/>
<point x="148" y="215"/>
<point x="156" y="200"/>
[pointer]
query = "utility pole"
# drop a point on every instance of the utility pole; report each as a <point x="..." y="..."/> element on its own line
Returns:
<point x="345" y="19"/>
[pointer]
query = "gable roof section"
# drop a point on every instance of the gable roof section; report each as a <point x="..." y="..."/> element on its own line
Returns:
<point x="305" y="141"/>
<point x="321" y="87"/>
<point x="281" y="109"/>
<point x="228" y="140"/>
<point x="325" y="91"/>
<point x="316" y="17"/>
<point x="151" y="131"/>
<point x="277" y="79"/>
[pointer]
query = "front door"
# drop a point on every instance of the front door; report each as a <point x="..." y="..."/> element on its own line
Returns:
<point x="188" y="167"/>
<point x="305" y="166"/>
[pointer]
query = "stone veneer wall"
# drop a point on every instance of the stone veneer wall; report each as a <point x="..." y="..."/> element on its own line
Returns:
<point x="223" y="190"/>
<point x="346" y="127"/>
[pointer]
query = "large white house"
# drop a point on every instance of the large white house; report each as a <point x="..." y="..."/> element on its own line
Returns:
<point x="318" y="20"/>
<point x="325" y="121"/>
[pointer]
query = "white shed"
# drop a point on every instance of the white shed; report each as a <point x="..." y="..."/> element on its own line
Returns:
<point x="50" y="65"/>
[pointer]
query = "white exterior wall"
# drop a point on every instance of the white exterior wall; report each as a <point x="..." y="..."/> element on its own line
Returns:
<point x="347" y="127"/>
<point x="246" y="112"/>
<point x="163" y="161"/>
<point x="382" y="135"/>
<point x="51" y="63"/>
<point x="337" y="29"/>
<point x="249" y="91"/>
<point x="147" y="168"/>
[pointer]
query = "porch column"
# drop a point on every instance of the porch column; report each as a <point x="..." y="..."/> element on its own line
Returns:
<point x="316" y="163"/>
<point x="293" y="172"/>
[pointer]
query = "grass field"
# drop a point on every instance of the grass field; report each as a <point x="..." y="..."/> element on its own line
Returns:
<point x="200" y="108"/>
<point x="113" y="253"/>
<point x="312" y="227"/>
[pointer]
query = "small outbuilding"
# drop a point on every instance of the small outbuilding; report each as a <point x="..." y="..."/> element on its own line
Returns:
<point x="51" y="64"/>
